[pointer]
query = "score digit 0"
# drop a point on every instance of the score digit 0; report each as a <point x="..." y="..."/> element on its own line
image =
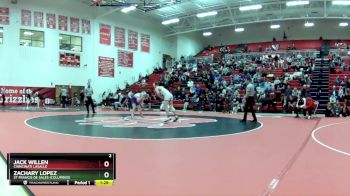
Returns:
<point x="106" y="174"/>
<point x="106" y="163"/>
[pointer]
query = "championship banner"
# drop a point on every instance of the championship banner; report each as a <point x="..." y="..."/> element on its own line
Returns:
<point x="125" y="58"/>
<point x="105" y="34"/>
<point x="4" y="15"/>
<point x="105" y="67"/>
<point x="26" y="17"/>
<point x="145" y="42"/>
<point x="74" y="25"/>
<point x="132" y="40"/>
<point x="16" y="95"/>
<point x="51" y="21"/>
<point x="39" y="19"/>
<point x="119" y="37"/>
<point x="86" y="26"/>
<point x="69" y="59"/>
<point x="63" y="23"/>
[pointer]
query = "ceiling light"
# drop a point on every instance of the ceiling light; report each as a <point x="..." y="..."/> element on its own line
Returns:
<point x="128" y="9"/>
<point x="250" y="7"/>
<point x="239" y="29"/>
<point x="28" y="33"/>
<point x="343" y="24"/>
<point x="1" y="30"/>
<point x="309" y="24"/>
<point x="205" y="14"/>
<point x="275" y="26"/>
<point x="341" y="2"/>
<point x="296" y="3"/>
<point x="171" y="21"/>
<point x="207" y="34"/>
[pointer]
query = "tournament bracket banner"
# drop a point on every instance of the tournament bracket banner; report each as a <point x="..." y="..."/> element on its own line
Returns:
<point x="74" y="25"/>
<point x="132" y="40"/>
<point x="4" y="15"/>
<point x="98" y="169"/>
<point x="26" y="17"/>
<point x="125" y="58"/>
<point x="16" y="95"/>
<point x="145" y="42"/>
<point x="105" y="67"/>
<point x="39" y="19"/>
<point x="119" y="37"/>
<point x="51" y="21"/>
<point x="105" y="34"/>
<point x="63" y="23"/>
<point x="69" y="59"/>
<point x="85" y="26"/>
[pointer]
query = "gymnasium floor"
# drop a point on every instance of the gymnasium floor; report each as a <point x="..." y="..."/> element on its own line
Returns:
<point x="202" y="154"/>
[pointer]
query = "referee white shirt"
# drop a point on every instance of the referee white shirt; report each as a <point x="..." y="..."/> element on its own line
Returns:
<point x="88" y="92"/>
<point x="250" y="92"/>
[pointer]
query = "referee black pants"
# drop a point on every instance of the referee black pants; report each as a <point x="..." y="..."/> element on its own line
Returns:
<point x="249" y="107"/>
<point x="64" y="101"/>
<point x="88" y="103"/>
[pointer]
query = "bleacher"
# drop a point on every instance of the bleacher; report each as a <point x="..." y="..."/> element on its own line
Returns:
<point x="308" y="46"/>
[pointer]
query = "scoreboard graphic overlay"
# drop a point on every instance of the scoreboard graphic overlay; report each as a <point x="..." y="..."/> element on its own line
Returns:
<point x="79" y="169"/>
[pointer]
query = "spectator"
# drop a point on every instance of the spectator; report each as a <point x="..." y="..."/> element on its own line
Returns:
<point x="187" y="102"/>
<point x="344" y="111"/>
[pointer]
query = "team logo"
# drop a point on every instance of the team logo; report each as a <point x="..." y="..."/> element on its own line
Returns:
<point x="153" y="122"/>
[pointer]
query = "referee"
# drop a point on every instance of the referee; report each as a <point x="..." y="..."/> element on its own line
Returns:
<point x="249" y="100"/>
<point x="88" y="92"/>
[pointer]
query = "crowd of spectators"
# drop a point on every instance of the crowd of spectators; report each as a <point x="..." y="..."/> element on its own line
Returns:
<point x="338" y="104"/>
<point x="219" y="86"/>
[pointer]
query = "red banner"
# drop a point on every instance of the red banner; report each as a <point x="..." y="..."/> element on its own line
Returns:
<point x="4" y="11"/>
<point x="26" y="17"/>
<point x="105" y="34"/>
<point x="69" y="59"/>
<point x="145" y="42"/>
<point x="4" y="15"/>
<point x="119" y="37"/>
<point x="74" y="25"/>
<point x="16" y="95"/>
<point x="86" y="26"/>
<point x="125" y="58"/>
<point x="63" y="23"/>
<point x="105" y="67"/>
<point x="132" y="40"/>
<point x="51" y="21"/>
<point x="39" y="19"/>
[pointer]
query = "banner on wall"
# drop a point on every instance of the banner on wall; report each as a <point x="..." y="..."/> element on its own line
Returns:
<point x="86" y="26"/>
<point x="132" y="40"/>
<point x="51" y="21"/>
<point x="63" y="23"/>
<point x="16" y="95"/>
<point x="69" y="59"/>
<point x="105" y="67"/>
<point x="4" y="15"/>
<point x="145" y="42"/>
<point x="26" y="17"/>
<point x="39" y="19"/>
<point x="125" y="58"/>
<point x="105" y="34"/>
<point x="74" y="25"/>
<point x="119" y="37"/>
